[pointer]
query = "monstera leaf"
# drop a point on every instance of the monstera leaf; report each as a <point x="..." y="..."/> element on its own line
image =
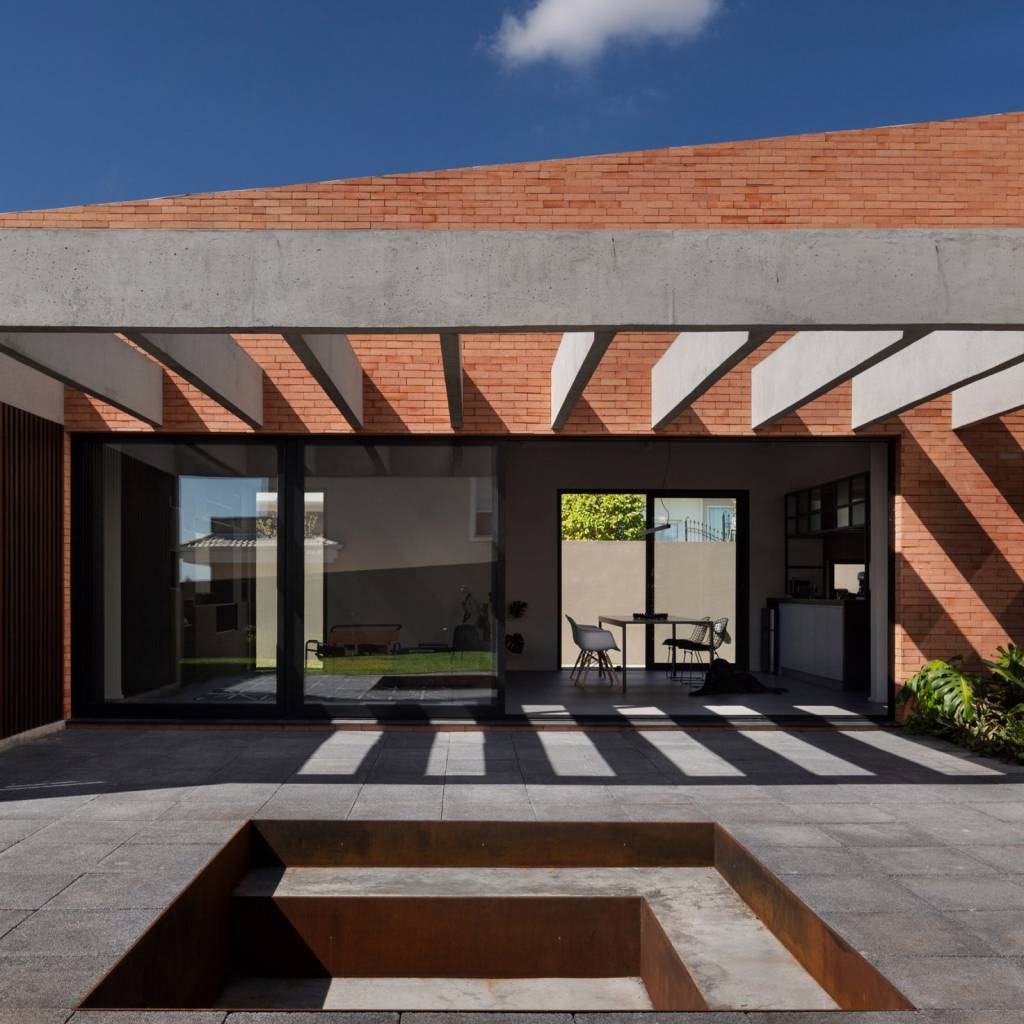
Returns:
<point x="942" y="688"/>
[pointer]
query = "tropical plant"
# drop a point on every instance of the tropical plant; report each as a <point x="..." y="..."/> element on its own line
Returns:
<point x="603" y="516"/>
<point x="1009" y="668"/>
<point x="942" y="689"/>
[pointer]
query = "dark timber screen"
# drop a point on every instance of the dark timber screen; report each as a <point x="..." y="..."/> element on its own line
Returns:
<point x="31" y="578"/>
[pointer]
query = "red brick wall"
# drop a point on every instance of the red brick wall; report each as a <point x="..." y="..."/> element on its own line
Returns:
<point x="959" y="531"/>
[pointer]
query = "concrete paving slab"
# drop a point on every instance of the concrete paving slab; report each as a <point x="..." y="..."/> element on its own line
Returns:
<point x="120" y="890"/>
<point x="987" y="893"/>
<point x="924" y="860"/>
<point x="1009" y="860"/>
<point x="37" y="981"/>
<point x="311" y="800"/>
<point x="187" y="833"/>
<point x="73" y="831"/>
<point x="10" y="918"/>
<point x="176" y="859"/>
<point x="321" y="1017"/>
<point x="1002" y="930"/>
<point x="13" y="830"/>
<point x="148" y="1017"/>
<point x="980" y="983"/>
<point x="864" y="892"/>
<point x="76" y="932"/>
<point x="885" y="834"/>
<point x="910" y="933"/>
<point x="377" y="801"/>
<point x="30" y="890"/>
<point x="28" y="856"/>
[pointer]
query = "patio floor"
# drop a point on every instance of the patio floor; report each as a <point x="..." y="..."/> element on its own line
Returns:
<point x="911" y="849"/>
<point x="652" y="696"/>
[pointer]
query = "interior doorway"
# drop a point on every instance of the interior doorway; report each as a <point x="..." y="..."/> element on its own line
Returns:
<point x="678" y="552"/>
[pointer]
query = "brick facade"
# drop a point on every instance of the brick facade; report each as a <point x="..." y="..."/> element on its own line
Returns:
<point x="960" y="497"/>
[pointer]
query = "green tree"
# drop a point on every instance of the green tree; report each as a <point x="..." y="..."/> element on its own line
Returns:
<point x="603" y="516"/>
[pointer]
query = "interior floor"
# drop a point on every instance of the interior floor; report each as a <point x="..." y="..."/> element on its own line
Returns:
<point x="554" y="696"/>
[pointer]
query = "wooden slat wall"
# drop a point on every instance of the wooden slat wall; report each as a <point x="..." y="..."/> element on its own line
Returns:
<point x="31" y="578"/>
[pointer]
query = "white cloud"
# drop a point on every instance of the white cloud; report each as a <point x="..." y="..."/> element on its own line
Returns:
<point x="576" y="31"/>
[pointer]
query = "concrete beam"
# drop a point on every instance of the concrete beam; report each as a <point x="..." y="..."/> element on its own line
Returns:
<point x="692" y="364"/>
<point x="101" y="365"/>
<point x="30" y="390"/>
<point x="930" y="367"/>
<point x="215" y="364"/>
<point x="451" y="360"/>
<point x="335" y="367"/>
<point x="813" y="362"/>
<point x="578" y="355"/>
<point x="992" y="396"/>
<point x="433" y="282"/>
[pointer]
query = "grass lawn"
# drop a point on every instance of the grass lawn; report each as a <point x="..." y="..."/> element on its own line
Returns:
<point x="405" y="664"/>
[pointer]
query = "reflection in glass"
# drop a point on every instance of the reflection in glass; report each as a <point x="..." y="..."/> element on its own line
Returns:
<point x="184" y="586"/>
<point x="399" y="574"/>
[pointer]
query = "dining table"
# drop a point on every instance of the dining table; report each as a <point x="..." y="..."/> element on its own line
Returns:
<point x="625" y="621"/>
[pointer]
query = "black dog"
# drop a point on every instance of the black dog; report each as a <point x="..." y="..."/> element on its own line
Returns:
<point x="723" y="677"/>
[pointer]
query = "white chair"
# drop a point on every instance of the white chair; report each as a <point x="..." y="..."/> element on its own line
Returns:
<point x="594" y="644"/>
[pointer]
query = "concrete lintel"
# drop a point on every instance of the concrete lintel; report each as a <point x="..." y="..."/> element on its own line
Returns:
<point x="101" y="365"/>
<point x="215" y="364"/>
<point x="932" y="366"/>
<point x="30" y="390"/>
<point x="431" y="281"/>
<point x="694" y="362"/>
<point x="451" y="360"/>
<point x="813" y="362"/>
<point x="335" y="367"/>
<point x="578" y="356"/>
<point x="992" y="396"/>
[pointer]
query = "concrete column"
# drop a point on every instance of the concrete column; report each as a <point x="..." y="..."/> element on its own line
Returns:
<point x="693" y="363"/>
<point x="878" y="575"/>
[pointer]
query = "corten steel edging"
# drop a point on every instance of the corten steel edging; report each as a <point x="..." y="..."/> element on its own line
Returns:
<point x="438" y="936"/>
<point x="668" y="982"/>
<point x="181" y="960"/>
<point x="831" y="961"/>
<point x="472" y="844"/>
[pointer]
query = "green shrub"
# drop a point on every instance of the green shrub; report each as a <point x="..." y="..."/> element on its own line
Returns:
<point x="982" y="712"/>
<point x="603" y="516"/>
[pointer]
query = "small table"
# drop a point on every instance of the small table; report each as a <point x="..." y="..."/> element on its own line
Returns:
<point x="647" y="620"/>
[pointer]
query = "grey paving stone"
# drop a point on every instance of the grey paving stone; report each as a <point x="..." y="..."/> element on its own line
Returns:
<point x="648" y="1017"/>
<point x="39" y="982"/>
<point x="119" y="890"/>
<point x="741" y="812"/>
<point x="148" y="1017"/>
<point x="311" y="800"/>
<point x="924" y="860"/>
<point x="1004" y="811"/>
<point x="13" y="830"/>
<point x="177" y="859"/>
<point x="185" y="833"/>
<point x="888" y="933"/>
<point x="320" y="1017"/>
<point x="867" y="892"/>
<point x="36" y="804"/>
<point x="377" y="802"/>
<point x="76" y="932"/>
<point x="487" y="803"/>
<point x="28" y="856"/>
<point x="10" y="918"/>
<point x="1008" y="859"/>
<point x="1002" y="930"/>
<point x="968" y="983"/>
<point x="783" y="835"/>
<point x="132" y="805"/>
<point x="840" y="812"/>
<point x="881" y="834"/>
<point x="488" y="1018"/>
<point x="811" y="860"/>
<point x="968" y="893"/>
<point x="30" y="890"/>
<point x="74" y="831"/>
<point x="33" y="1016"/>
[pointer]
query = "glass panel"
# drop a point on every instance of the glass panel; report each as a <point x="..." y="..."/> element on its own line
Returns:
<point x="791" y="527"/>
<point x="843" y="492"/>
<point x="858" y="486"/>
<point x="815" y="522"/>
<point x="399" y="571"/>
<point x="849" y="577"/>
<point x="843" y="516"/>
<point x="790" y="504"/>
<point x="815" y="499"/>
<point x="184" y="580"/>
<point x="603" y="562"/>
<point x="695" y="569"/>
<point x="858" y="513"/>
<point x="803" y="499"/>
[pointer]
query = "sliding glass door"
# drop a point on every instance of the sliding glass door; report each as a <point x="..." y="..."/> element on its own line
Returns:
<point x="681" y="553"/>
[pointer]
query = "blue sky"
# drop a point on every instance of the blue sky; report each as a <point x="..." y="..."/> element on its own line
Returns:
<point x="121" y="99"/>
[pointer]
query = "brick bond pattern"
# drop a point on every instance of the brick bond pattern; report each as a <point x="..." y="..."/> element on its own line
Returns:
<point x="960" y="498"/>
